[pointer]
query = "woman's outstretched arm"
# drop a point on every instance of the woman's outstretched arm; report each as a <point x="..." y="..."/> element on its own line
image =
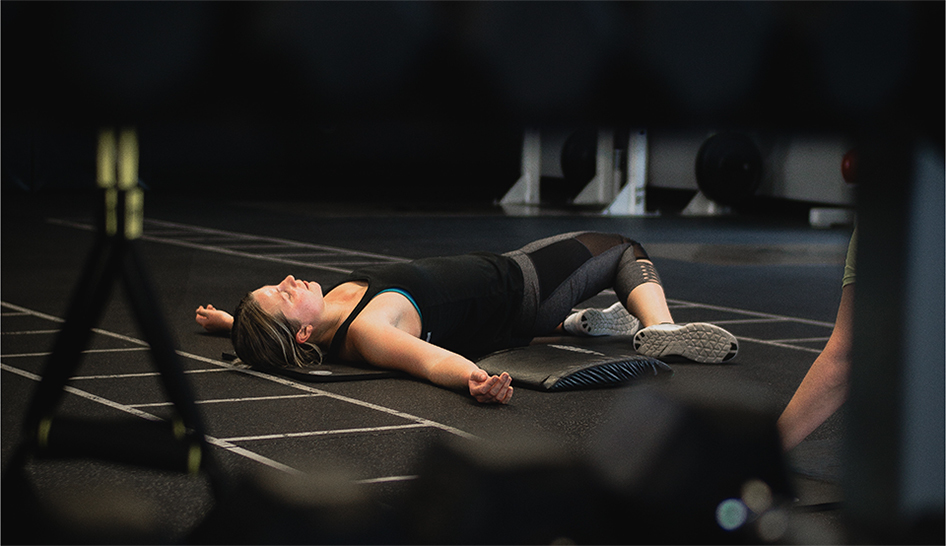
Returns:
<point x="386" y="346"/>
<point x="214" y="320"/>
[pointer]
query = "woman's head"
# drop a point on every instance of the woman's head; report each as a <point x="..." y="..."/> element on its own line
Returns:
<point x="272" y="325"/>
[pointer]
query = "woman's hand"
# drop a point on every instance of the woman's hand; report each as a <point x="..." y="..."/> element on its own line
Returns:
<point x="214" y="320"/>
<point x="490" y="388"/>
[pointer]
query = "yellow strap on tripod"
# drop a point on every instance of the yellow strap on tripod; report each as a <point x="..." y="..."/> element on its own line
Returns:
<point x="118" y="172"/>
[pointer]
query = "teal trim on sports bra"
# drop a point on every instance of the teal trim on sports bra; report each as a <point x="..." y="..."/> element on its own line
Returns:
<point x="406" y="295"/>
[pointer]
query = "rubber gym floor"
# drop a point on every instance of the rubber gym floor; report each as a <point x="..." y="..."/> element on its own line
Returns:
<point x="773" y="282"/>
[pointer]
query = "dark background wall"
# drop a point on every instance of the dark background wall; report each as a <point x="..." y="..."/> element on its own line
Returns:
<point x="421" y="100"/>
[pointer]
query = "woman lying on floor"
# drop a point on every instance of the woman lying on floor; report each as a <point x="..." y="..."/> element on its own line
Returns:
<point x="420" y="317"/>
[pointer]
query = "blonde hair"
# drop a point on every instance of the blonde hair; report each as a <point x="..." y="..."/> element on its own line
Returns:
<point x="262" y="339"/>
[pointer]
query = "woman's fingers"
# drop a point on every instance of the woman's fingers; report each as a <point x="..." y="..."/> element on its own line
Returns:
<point x="502" y="390"/>
<point x="212" y="319"/>
<point x="507" y="396"/>
<point x="493" y="389"/>
<point x="500" y="385"/>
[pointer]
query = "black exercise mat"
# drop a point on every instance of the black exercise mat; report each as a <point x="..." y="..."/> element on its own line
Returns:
<point x="328" y="371"/>
<point x="566" y="366"/>
<point x="555" y="366"/>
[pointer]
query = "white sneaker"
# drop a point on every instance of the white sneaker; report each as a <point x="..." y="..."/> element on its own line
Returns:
<point x="697" y="341"/>
<point x="613" y="321"/>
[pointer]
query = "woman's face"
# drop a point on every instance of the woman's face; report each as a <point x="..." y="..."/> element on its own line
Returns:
<point x="299" y="301"/>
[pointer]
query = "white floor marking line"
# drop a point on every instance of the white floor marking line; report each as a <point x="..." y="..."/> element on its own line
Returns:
<point x="138" y="374"/>
<point x="30" y="312"/>
<point x="220" y="250"/>
<point x="230" y="400"/>
<point x="238" y="254"/>
<point x="265" y="241"/>
<point x="349" y="264"/>
<point x="86" y="395"/>
<point x="751" y="321"/>
<point x="223" y="444"/>
<point x="754" y="313"/>
<point x="153" y="232"/>
<point x="122" y="337"/>
<point x="800" y="340"/>
<point x="96" y="330"/>
<point x="762" y="317"/>
<point x="183" y="234"/>
<point x="145" y="415"/>
<point x="13" y="314"/>
<point x="355" y="401"/>
<point x="284" y="435"/>
<point x="69" y="223"/>
<point x="302" y="255"/>
<point x="87" y="351"/>
<point x="237" y="246"/>
<point x="274" y="239"/>
<point x="778" y="344"/>
<point x="29" y="332"/>
<point x="253" y="456"/>
<point x="387" y="479"/>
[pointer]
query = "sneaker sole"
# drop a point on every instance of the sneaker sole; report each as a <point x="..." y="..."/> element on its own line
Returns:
<point x="601" y="323"/>
<point x="697" y="341"/>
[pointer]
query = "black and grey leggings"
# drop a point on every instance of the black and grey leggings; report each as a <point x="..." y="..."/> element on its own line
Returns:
<point x="562" y="271"/>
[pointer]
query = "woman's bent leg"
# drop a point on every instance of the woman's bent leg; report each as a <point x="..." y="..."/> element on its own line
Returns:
<point x="567" y="269"/>
<point x="562" y="271"/>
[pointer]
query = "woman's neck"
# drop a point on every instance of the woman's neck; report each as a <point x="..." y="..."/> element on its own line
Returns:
<point x="339" y="304"/>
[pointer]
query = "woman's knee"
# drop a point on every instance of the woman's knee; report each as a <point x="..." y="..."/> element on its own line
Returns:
<point x="598" y="243"/>
<point x="634" y="271"/>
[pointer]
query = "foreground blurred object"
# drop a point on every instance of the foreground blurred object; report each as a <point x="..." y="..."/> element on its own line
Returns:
<point x="665" y="467"/>
<point x="178" y="443"/>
